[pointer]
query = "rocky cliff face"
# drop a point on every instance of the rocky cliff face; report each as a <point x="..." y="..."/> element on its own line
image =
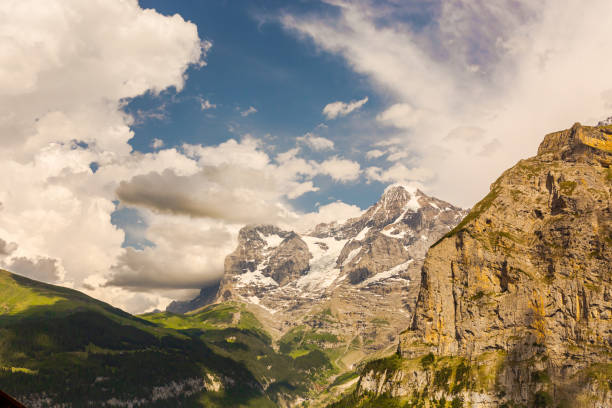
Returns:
<point x="515" y="305"/>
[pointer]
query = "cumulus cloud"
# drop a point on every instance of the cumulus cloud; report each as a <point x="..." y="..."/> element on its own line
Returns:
<point x="315" y="142"/>
<point x="7" y="248"/>
<point x="517" y="70"/>
<point x="339" y="108"/>
<point x="300" y="189"/>
<point x="43" y="269"/>
<point x="206" y="104"/>
<point x="398" y="173"/>
<point x="394" y="152"/>
<point x="157" y="143"/>
<point x="342" y="170"/>
<point x="66" y="70"/>
<point x="401" y="115"/>
<point x="248" y="111"/>
<point x="332" y="212"/>
<point x="224" y="192"/>
<point x="374" y="154"/>
<point x="188" y="245"/>
<point x="467" y="134"/>
<point x="490" y="148"/>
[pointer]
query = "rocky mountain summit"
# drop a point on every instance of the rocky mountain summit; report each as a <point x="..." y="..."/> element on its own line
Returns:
<point x="354" y="282"/>
<point x="515" y="305"/>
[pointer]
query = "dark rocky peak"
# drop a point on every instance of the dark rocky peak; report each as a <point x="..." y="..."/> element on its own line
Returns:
<point x="401" y="207"/>
<point x="398" y="194"/>
<point x="207" y="296"/>
<point x="396" y="201"/>
<point x="263" y="234"/>
<point x="405" y="205"/>
<point x="281" y="255"/>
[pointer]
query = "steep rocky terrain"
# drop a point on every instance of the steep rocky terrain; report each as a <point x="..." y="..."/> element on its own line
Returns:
<point x="347" y="289"/>
<point x="515" y="307"/>
<point x="206" y="296"/>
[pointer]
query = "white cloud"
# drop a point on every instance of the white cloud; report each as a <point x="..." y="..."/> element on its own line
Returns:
<point x="394" y="152"/>
<point x="316" y="142"/>
<point x="246" y="152"/>
<point x="157" y="143"/>
<point x="248" y="111"/>
<point x="300" y="189"/>
<point x="186" y="255"/>
<point x="467" y="134"/>
<point x="515" y="69"/>
<point x="43" y="269"/>
<point x="336" y="109"/>
<point x="490" y="148"/>
<point x="206" y="104"/>
<point x="388" y="142"/>
<point x="65" y="71"/>
<point x="332" y="212"/>
<point x="398" y="173"/>
<point x="400" y="115"/>
<point x="374" y="154"/>
<point x="342" y="170"/>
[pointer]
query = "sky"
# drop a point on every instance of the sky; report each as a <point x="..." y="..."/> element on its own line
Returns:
<point x="138" y="137"/>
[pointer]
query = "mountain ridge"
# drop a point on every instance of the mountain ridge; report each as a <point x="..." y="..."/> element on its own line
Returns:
<point x="363" y="270"/>
<point x="515" y="305"/>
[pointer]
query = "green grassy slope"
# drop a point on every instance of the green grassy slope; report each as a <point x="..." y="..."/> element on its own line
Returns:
<point x="232" y="331"/>
<point x="60" y="344"/>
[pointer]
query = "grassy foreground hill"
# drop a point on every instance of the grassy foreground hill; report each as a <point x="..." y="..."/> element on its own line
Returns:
<point x="59" y="346"/>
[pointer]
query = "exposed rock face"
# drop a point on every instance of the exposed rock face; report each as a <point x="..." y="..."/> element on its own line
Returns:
<point x="275" y="266"/>
<point x="363" y="274"/>
<point x="207" y="296"/>
<point x="280" y="255"/>
<point x="524" y="284"/>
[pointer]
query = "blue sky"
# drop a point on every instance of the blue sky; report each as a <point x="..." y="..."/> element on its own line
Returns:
<point x="254" y="62"/>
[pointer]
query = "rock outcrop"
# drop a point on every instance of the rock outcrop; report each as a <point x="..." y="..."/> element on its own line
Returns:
<point x="515" y="304"/>
<point x="206" y="296"/>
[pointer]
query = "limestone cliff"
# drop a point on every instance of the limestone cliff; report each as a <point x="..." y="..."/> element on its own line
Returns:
<point x="515" y="304"/>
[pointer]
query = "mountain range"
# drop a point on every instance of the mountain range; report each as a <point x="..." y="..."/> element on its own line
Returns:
<point x="356" y="281"/>
<point x="415" y="303"/>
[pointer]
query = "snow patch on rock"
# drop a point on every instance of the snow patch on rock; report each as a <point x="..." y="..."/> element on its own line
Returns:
<point x="271" y="240"/>
<point x="256" y="301"/>
<point x="362" y="233"/>
<point x="396" y="270"/>
<point x="255" y="278"/>
<point x="323" y="269"/>
<point x="351" y="256"/>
